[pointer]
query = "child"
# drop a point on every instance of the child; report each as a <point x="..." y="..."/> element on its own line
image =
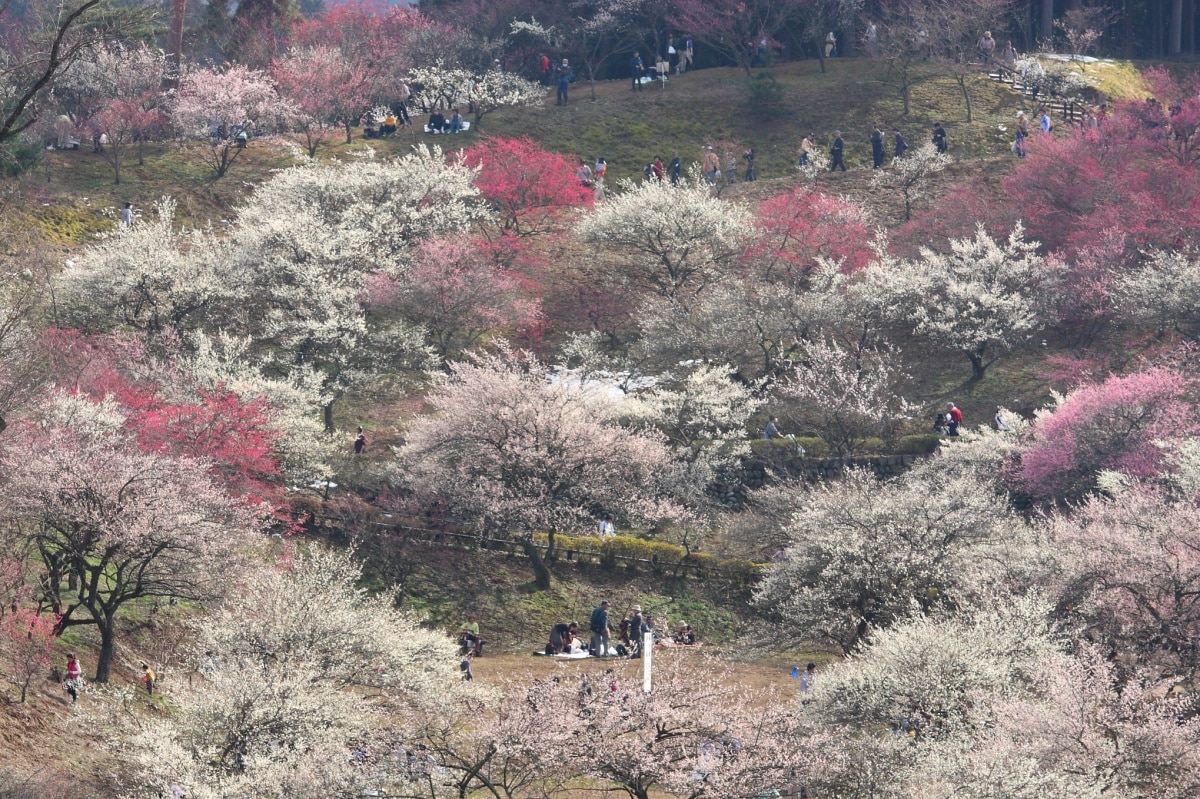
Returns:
<point x="148" y="678"/>
<point x="74" y="678"/>
<point x="465" y="667"/>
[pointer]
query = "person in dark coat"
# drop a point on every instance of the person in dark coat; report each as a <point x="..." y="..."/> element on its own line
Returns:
<point x="939" y="138"/>
<point x="837" y="151"/>
<point x="901" y="145"/>
<point x="876" y="148"/>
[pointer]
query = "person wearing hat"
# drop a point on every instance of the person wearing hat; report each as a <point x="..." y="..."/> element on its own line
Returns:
<point x="600" y="629"/>
<point x="563" y="73"/>
<point x="710" y="165"/>
<point x="807" y="147"/>
<point x="637" y="631"/>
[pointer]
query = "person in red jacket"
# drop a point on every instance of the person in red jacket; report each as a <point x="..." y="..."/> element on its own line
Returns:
<point x="545" y="70"/>
<point x="955" y="415"/>
<point x="74" y="678"/>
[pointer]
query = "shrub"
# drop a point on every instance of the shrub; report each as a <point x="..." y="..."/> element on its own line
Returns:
<point x="923" y="444"/>
<point x="765" y="91"/>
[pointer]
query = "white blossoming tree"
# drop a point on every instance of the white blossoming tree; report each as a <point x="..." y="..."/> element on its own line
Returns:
<point x="113" y="524"/>
<point x="983" y="298"/>
<point x="909" y="176"/>
<point x="1165" y="291"/>
<point x="292" y="275"/>
<point x="515" y="453"/>
<point x="678" y="239"/>
<point x="845" y="396"/>
<point x="449" y="86"/>
<point x="866" y="553"/>
<point x="303" y="670"/>
<point x="703" y="416"/>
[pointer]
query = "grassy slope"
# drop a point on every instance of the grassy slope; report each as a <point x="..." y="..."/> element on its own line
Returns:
<point x="629" y="129"/>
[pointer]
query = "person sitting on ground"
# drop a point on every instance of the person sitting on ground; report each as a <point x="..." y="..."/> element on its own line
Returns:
<point x="455" y="123"/>
<point x="941" y="425"/>
<point x="684" y="634"/>
<point x="242" y="138"/>
<point x="389" y="125"/>
<point x="561" y="636"/>
<point x="437" y="121"/>
<point x="468" y="636"/>
<point x="1001" y="425"/>
<point x="368" y="126"/>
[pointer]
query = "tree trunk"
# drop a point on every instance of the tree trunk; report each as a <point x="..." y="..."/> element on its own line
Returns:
<point x="541" y="572"/>
<point x="978" y="367"/>
<point x="108" y="636"/>
<point x="962" y="84"/>
<point x="328" y="411"/>
<point x="904" y="90"/>
<point x="1175" y="46"/>
<point x="1046" y="28"/>
<point x="175" y="35"/>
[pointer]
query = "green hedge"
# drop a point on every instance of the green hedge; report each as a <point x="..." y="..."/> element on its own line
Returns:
<point x="923" y="444"/>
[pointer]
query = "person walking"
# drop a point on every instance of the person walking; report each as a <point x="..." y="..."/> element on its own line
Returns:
<point x="636" y="70"/>
<point x="807" y="147"/>
<point x="837" y="151"/>
<point x="686" y="62"/>
<point x="148" y="678"/>
<point x="711" y="166"/>
<point x="987" y="47"/>
<point x="830" y="45"/>
<point x="900" y="144"/>
<point x="600" y="628"/>
<point x="127" y="215"/>
<point x="1046" y="125"/>
<point x="876" y="148"/>
<point x="676" y="167"/>
<point x="749" y="156"/>
<point x="545" y="65"/>
<point x="74" y="678"/>
<point x="563" y="72"/>
<point x="1008" y="56"/>
<point x="939" y="138"/>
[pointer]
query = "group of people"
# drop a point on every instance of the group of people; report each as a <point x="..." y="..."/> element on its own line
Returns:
<point x="630" y="634"/>
<point x="837" y="150"/>
<point x="73" y="683"/>
<point x="440" y="123"/>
